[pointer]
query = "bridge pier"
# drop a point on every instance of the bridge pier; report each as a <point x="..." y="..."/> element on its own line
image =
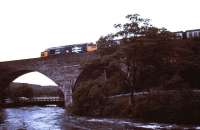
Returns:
<point x="67" y="95"/>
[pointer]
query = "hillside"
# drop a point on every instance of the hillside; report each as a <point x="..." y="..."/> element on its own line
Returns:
<point x="37" y="90"/>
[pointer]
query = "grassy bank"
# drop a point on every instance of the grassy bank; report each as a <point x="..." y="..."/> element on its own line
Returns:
<point x="178" y="106"/>
<point x="168" y="107"/>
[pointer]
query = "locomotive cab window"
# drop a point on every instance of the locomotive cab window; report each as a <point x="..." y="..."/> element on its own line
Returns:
<point x="52" y="51"/>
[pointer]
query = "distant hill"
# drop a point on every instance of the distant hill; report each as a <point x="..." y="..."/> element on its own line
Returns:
<point x="37" y="89"/>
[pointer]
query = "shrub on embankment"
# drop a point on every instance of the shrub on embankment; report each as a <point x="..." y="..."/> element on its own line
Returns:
<point x="180" y="106"/>
<point x="89" y="99"/>
<point x="95" y="84"/>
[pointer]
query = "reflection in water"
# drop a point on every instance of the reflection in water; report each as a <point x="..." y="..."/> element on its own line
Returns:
<point x="1" y="116"/>
<point x="55" y="118"/>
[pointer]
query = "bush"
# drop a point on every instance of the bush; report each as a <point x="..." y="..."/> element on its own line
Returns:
<point x="21" y="91"/>
<point x="94" y="86"/>
<point x="88" y="99"/>
<point x="117" y="107"/>
<point x="180" y="106"/>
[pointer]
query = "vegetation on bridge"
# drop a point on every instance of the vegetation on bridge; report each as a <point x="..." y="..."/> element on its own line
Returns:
<point x="150" y="60"/>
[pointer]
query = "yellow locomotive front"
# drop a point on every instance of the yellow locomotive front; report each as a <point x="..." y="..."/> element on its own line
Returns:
<point x="44" y="54"/>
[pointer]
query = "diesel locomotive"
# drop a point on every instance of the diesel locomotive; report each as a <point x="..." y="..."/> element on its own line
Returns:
<point x="69" y="49"/>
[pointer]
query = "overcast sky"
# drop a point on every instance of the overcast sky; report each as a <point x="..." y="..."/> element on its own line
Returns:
<point x="27" y="27"/>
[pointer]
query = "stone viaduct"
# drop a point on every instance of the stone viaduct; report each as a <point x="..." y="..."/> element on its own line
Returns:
<point x="63" y="70"/>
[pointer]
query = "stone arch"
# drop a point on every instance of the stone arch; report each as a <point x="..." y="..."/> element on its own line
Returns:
<point x="9" y="77"/>
<point x="63" y="70"/>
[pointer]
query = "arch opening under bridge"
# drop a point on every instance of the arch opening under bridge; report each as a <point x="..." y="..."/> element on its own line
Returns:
<point x="26" y="89"/>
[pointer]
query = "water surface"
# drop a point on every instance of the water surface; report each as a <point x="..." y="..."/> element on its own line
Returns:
<point x="56" y="118"/>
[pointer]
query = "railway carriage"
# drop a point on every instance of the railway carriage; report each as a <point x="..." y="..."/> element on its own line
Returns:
<point x="188" y="34"/>
<point x="193" y="34"/>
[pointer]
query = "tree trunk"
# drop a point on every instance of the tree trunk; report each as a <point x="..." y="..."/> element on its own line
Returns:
<point x="132" y="97"/>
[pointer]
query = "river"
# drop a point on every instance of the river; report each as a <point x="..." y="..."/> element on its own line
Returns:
<point x="56" y="118"/>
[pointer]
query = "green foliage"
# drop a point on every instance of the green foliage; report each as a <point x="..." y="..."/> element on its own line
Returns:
<point x="191" y="74"/>
<point x="106" y="45"/>
<point x="140" y="28"/>
<point x="118" y="108"/>
<point x="31" y="90"/>
<point x="135" y="27"/>
<point x="22" y="91"/>
<point x="89" y="99"/>
<point x="98" y="81"/>
<point x="134" y="50"/>
<point x="177" y="106"/>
